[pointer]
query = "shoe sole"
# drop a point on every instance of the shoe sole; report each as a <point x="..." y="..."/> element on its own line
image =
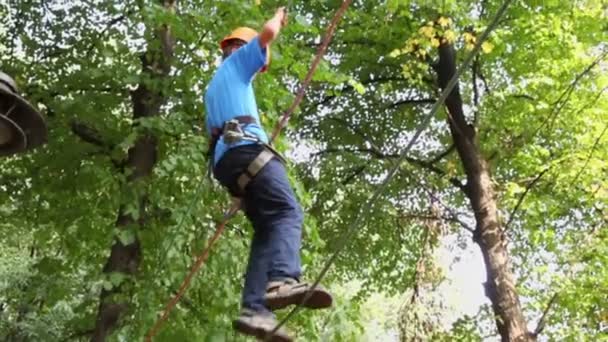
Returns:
<point x="319" y="299"/>
<point x="259" y="333"/>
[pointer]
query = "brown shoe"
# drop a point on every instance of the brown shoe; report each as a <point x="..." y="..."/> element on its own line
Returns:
<point x="280" y="294"/>
<point x="259" y="325"/>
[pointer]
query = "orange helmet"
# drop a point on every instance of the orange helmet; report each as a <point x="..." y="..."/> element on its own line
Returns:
<point x="245" y="34"/>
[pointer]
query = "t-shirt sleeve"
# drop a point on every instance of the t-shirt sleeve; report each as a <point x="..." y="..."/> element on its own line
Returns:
<point x="250" y="58"/>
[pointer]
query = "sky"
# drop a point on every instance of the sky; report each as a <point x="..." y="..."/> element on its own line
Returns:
<point x="462" y="292"/>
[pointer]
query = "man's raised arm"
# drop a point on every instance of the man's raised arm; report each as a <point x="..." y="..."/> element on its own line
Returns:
<point x="272" y="27"/>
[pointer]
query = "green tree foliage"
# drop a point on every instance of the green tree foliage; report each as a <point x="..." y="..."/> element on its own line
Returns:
<point x="536" y="95"/>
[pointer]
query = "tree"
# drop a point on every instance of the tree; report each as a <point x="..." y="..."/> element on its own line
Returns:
<point x="147" y="99"/>
<point x="489" y="133"/>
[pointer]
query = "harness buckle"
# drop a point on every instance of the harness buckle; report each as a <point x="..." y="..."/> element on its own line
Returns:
<point x="232" y="131"/>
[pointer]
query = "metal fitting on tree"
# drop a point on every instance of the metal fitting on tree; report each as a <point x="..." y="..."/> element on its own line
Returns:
<point x="21" y="125"/>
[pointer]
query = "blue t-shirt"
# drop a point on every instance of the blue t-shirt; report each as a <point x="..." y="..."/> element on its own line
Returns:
<point x="230" y="94"/>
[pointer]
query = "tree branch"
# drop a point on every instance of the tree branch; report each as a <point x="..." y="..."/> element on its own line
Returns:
<point x="443" y="154"/>
<point x="483" y="79"/>
<point x="437" y="218"/>
<point x="540" y="326"/>
<point x="590" y="155"/>
<point x="59" y="51"/>
<point x="373" y="151"/>
<point x="474" y="71"/>
<point x="380" y="155"/>
<point x="90" y="135"/>
<point x="450" y="210"/>
<point x="192" y="307"/>
<point x="355" y="173"/>
<point x="521" y="198"/>
<point x="525" y="96"/>
<point x="565" y="96"/>
<point x="108" y="27"/>
<point x="409" y="102"/>
<point x="348" y="88"/>
<point x="355" y="130"/>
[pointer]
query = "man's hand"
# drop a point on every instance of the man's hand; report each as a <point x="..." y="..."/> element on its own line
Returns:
<point x="281" y="15"/>
<point x="273" y="26"/>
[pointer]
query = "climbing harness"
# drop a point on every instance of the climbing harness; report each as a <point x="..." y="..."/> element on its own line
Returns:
<point x="233" y="132"/>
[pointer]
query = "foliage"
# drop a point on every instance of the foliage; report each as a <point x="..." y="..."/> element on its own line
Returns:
<point x="536" y="95"/>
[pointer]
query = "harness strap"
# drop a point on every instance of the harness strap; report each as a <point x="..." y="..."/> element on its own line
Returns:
<point x="258" y="162"/>
<point x="254" y="167"/>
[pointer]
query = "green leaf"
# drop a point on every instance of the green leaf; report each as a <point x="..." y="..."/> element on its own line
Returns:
<point x="126" y="236"/>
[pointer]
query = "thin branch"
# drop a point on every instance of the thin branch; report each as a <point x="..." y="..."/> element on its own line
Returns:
<point x="355" y="130"/>
<point x="437" y="218"/>
<point x="380" y="155"/>
<point x="565" y="96"/>
<point x="542" y="321"/>
<point x="521" y="198"/>
<point x="486" y="87"/>
<point x="450" y="210"/>
<point x="590" y="155"/>
<point x="110" y="24"/>
<point x="376" y="151"/>
<point x="355" y="173"/>
<point x="525" y="97"/>
<point x="443" y="154"/>
<point x="90" y="135"/>
<point x="57" y="51"/>
<point x="192" y="307"/>
<point x="198" y="43"/>
<point x="487" y="336"/>
<point x="349" y="88"/>
<point x="409" y="102"/>
<point x="474" y="68"/>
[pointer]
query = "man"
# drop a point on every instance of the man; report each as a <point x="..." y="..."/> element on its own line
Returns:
<point x="243" y="164"/>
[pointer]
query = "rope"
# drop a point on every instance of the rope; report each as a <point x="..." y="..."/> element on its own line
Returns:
<point x="369" y="204"/>
<point x="236" y="205"/>
<point x="197" y="265"/>
<point x="320" y="52"/>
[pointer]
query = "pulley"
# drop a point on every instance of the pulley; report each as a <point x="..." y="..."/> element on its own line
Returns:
<point x="22" y="127"/>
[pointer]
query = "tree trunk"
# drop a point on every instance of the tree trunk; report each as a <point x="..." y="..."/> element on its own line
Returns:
<point x="500" y="284"/>
<point x="125" y="259"/>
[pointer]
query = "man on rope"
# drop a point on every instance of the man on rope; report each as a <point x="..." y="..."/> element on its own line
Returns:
<point x="244" y="163"/>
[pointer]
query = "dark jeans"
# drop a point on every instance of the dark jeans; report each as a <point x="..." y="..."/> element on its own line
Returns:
<point x="276" y="216"/>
